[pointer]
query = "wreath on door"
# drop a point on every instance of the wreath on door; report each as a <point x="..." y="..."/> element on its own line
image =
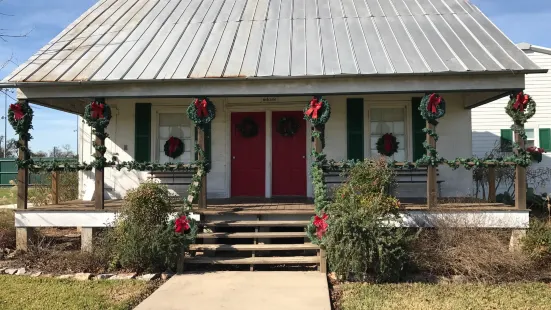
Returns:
<point x="287" y="126"/>
<point x="248" y="128"/>
<point x="174" y="147"/>
<point x="387" y="145"/>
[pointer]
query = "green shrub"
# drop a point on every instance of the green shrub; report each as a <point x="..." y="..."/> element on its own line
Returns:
<point x="359" y="241"/>
<point x="144" y="238"/>
<point x="537" y="243"/>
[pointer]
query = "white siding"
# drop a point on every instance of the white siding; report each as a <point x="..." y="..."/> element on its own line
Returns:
<point x="489" y="119"/>
<point x="454" y="130"/>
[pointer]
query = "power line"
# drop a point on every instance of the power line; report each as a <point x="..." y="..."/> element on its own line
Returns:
<point x="7" y="94"/>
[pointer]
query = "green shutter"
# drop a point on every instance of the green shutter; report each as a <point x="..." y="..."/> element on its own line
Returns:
<point x="545" y="139"/>
<point x="208" y="138"/>
<point x="142" y="121"/>
<point x="506" y="141"/>
<point x="417" y="126"/>
<point x="355" y="128"/>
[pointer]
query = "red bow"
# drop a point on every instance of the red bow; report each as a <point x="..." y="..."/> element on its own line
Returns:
<point x="434" y="101"/>
<point x="521" y="102"/>
<point x="321" y="225"/>
<point x="181" y="225"/>
<point x="201" y="107"/>
<point x="17" y="112"/>
<point x="97" y="110"/>
<point x="387" y="143"/>
<point x="173" y="144"/>
<point x="315" y="106"/>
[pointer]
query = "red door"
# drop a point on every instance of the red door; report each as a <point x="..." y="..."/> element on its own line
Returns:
<point x="289" y="157"/>
<point x="248" y="155"/>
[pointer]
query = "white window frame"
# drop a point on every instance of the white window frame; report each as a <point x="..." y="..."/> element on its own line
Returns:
<point x="155" y="146"/>
<point x="406" y="105"/>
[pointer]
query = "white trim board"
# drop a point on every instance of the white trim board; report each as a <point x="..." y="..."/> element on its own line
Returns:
<point x="518" y="219"/>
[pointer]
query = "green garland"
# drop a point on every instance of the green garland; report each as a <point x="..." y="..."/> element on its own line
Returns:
<point x="97" y="115"/>
<point x="201" y="111"/>
<point x="432" y="107"/>
<point x="318" y="111"/>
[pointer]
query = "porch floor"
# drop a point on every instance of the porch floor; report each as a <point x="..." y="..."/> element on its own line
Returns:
<point x="265" y="204"/>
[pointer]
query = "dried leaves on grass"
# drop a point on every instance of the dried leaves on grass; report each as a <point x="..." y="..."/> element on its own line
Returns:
<point x="7" y="229"/>
<point x="477" y="254"/>
<point x="417" y="296"/>
<point x="48" y="293"/>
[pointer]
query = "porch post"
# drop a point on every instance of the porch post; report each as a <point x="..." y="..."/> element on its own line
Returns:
<point x="23" y="234"/>
<point x="202" y="200"/>
<point x="99" y="196"/>
<point x="520" y="176"/>
<point x="318" y="148"/>
<point x="491" y="184"/>
<point x="55" y="187"/>
<point x="431" y="173"/>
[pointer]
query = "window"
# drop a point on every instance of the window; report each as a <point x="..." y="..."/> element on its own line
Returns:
<point x="530" y="138"/>
<point x="388" y="120"/>
<point x="174" y="125"/>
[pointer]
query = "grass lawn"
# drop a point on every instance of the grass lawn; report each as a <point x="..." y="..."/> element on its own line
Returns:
<point x="444" y="296"/>
<point x="21" y="292"/>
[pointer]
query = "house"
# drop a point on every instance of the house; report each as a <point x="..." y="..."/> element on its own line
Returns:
<point x="491" y="125"/>
<point x="260" y="62"/>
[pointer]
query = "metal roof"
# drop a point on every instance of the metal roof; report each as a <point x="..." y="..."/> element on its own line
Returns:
<point x="530" y="47"/>
<point x="180" y="39"/>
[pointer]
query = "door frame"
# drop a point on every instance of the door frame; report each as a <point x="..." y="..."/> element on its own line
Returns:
<point x="267" y="108"/>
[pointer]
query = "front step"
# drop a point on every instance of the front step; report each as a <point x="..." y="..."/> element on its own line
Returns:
<point x="245" y="235"/>
<point x="257" y="223"/>
<point x="295" y="260"/>
<point x="252" y="247"/>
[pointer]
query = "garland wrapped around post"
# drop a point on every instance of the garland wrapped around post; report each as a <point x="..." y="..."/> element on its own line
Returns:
<point x="20" y="116"/>
<point x="432" y="107"/>
<point x="97" y="114"/>
<point x="318" y="112"/>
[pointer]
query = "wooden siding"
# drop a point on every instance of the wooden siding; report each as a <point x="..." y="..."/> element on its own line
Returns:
<point x="488" y="120"/>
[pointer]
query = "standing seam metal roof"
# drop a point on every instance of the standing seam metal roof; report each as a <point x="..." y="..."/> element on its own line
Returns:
<point x="180" y="39"/>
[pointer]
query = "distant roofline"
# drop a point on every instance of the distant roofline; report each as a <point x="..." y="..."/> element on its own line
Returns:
<point x="529" y="47"/>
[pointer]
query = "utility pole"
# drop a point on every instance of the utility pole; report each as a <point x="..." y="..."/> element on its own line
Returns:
<point x="5" y="122"/>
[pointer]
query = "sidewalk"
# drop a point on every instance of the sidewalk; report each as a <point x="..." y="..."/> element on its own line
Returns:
<point x="272" y="290"/>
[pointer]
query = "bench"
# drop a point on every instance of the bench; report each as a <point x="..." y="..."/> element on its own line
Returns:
<point x="178" y="181"/>
<point x="403" y="176"/>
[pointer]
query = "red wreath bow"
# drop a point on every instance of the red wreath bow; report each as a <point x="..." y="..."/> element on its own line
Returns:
<point x="201" y="107"/>
<point x="17" y="112"/>
<point x="521" y="102"/>
<point x="321" y="225"/>
<point x="434" y="101"/>
<point x="181" y="225"/>
<point x="387" y="143"/>
<point x="97" y="110"/>
<point x="315" y="106"/>
<point x="173" y="144"/>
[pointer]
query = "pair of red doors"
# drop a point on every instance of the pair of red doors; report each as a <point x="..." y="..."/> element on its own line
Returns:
<point x="248" y="156"/>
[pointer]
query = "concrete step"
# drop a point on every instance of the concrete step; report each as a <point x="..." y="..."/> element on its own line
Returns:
<point x="245" y="235"/>
<point x="256" y="223"/>
<point x="253" y="260"/>
<point x="252" y="247"/>
<point x="254" y="212"/>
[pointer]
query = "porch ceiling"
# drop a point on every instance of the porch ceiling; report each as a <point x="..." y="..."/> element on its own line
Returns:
<point x="146" y="40"/>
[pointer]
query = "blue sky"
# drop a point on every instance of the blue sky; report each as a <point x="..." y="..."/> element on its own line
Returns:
<point x="523" y="21"/>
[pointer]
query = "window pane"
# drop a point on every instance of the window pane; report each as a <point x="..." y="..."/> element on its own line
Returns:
<point x="399" y="127"/>
<point x="174" y="125"/>
<point x="530" y="134"/>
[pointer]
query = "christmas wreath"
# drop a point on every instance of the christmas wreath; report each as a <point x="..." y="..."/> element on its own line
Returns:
<point x="432" y="107"/>
<point x="318" y="111"/>
<point x="201" y="111"/>
<point x="521" y="108"/>
<point x="97" y="114"/>
<point x="387" y="145"/>
<point x="248" y="128"/>
<point x="287" y="126"/>
<point x="20" y="116"/>
<point x="174" y="147"/>
<point x="536" y="153"/>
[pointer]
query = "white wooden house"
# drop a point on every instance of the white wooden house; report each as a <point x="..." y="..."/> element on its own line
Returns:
<point x="372" y="60"/>
<point x="491" y="125"/>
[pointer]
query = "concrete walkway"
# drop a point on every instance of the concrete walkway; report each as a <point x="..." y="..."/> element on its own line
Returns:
<point x="272" y="290"/>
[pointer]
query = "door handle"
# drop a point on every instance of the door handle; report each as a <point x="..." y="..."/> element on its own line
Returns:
<point x="233" y="157"/>
<point x="303" y="156"/>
